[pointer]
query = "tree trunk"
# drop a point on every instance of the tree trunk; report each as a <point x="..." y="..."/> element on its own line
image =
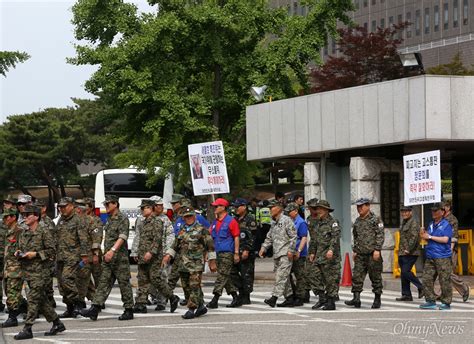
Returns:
<point x="49" y="182"/>
<point x="20" y="186"/>
<point x="216" y="95"/>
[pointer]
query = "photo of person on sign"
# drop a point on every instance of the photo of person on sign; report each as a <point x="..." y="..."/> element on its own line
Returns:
<point x="196" y="167"/>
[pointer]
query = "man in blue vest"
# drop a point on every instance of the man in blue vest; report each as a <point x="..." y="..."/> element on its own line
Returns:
<point x="226" y="233"/>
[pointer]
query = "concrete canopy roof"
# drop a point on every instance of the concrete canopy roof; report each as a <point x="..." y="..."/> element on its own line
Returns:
<point x="406" y="112"/>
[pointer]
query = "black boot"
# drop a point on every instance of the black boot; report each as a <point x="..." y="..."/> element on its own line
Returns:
<point x="2" y="306"/>
<point x="70" y="312"/>
<point x="81" y="305"/>
<point x="127" y="314"/>
<point x="92" y="312"/>
<point x="330" y="305"/>
<point x="214" y="302"/>
<point x="321" y="302"/>
<point x="245" y="298"/>
<point x="377" y="302"/>
<point x="236" y="301"/>
<point x="271" y="301"/>
<point x="183" y="302"/>
<point x="174" y="301"/>
<point x="298" y="302"/>
<point x="12" y="320"/>
<point x="140" y="308"/>
<point x="189" y="314"/>
<point x="201" y="310"/>
<point x="289" y="302"/>
<point x="355" y="300"/>
<point x="307" y="297"/>
<point x="58" y="326"/>
<point x="26" y="333"/>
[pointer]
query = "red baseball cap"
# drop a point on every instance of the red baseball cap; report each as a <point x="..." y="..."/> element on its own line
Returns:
<point x="220" y="201"/>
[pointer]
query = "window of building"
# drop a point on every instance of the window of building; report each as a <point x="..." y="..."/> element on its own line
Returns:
<point x="417" y="22"/>
<point x="427" y="21"/>
<point x="390" y="199"/>
<point x="373" y="28"/>
<point x="356" y="4"/>
<point x="390" y="21"/>
<point x="408" y="19"/>
<point x="436" y="18"/>
<point x="365" y="26"/>
<point x="374" y="2"/>
<point x="333" y="46"/>
<point x="455" y="13"/>
<point x="382" y="23"/>
<point x="445" y="16"/>
<point x="295" y="8"/>
<point x="465" y="12"/>
<point x="399" y="22"/>
<point x="366" y="3"/>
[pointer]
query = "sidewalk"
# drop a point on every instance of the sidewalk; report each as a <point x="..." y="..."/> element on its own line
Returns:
<point x="264" y="275"/>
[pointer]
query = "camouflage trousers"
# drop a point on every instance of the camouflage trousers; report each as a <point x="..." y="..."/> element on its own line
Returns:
<point x="443" y="268"/>
<point x="84" y="278"/>
<point x="192" y="286"/>
<point x="68" y="280"/>
<point x="313" y="278"/>
<point x="151" y="274"/>
<point x="282" y="268"/>
<point x="49" y="273"/>
<point x="13" y="288"/>
<point x="159" y="297"/>
<point x="118" y="269"/>
<point x="1" y="279"/>
<point x="225" y="265"/>
<point x="296" y="285"/>
<point x="457" y="281"/>
<point x="37" y="301"/>
<point x="242" y="275"/>
<point x="363" y="264"/>
<point x="96" y="271"/>
<point x="174" y="275"/>
<point x="328" y="276"/>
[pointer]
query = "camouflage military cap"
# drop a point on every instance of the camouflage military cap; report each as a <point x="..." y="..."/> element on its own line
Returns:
<point x="11" y="211"/>
<point x="65" y="201"/>
<point x="447" y="203"/>
<point x="80" y="202"/>
<point x="437" y="206"/>
<point x="157" y="199"/>
<point x="188" y="211"/>
<point x="10" y="199"/>
<point x="31" y="209"/>
<point x="406" y="208"/>
<point x="362" y="201"/>
<point x="186" y="202"/>
<point x="89" y="201"/>
<point x="240" y="201"/>
<point x="176" y="198"/>
<point x="312" y="202"/>
<point x="111" y="198"/>
<point x="39" y="203"/>
<point x="291" y="206"/>
<point x="24" y="199"/>
<point x="147" y="203"/>
<point x="324" y="204"/>
<point x="275" y="203"/>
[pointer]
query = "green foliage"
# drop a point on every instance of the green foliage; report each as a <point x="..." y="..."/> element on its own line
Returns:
<point x="181" y="74"/>
<point x="455" y="67"/>
<point x="9" y="59"/>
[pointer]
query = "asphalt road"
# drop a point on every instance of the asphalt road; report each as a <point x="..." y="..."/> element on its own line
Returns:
<point x="395" y="322"/>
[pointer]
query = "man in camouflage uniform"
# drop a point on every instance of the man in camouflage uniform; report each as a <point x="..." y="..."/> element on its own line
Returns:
<point x="23" y="201"/>
<point x="192" y="243"/>
<point x="295" y="289"/>
<point x="438" y="259"/>
<point x="457" y="281"/>
<point x="312" y="280"/>
<point x="116" y="265"/>
<point x="325" y="252"/>
<point x="408" y="252"/>
<point x="97" y="233"/>
<point x="49" y="273"/>
<point x="8" y="203"/>
<point x="73" y="251"/>
<point x="226" y="234"/>
<point x="282" y="237"/>
<point x="243" y="276"/>
<point x="150" y="256"/>
<point x="368" y="236"/>
<point x="35" y="248"/>
<point x="13" y="278"/>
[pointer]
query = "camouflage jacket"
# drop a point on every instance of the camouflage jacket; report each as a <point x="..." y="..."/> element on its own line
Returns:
<point x="312" y="223"/>
<point x="116" y="227"/>
<point x="39" y="241"/>
<point x="96" y="231"/>
<point x="191" y="244"/>
<point x="327" y="236"/>
<point x="168" y="232"/>
<point x="453" y="221"/>
<point x="72" y="239"/>
<point x="282" y="236"/>
<point x="368" y="234"/>
<point x="12" y="268"/>
<point x="3" y="235"/>
<point x="136" y="238"/>
<point x="409" y="238"/>
<point x="151" y="238"/>
<point x="248" y="231"/>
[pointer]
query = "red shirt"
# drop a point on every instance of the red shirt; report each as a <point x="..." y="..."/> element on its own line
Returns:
<point x="233" y="226"/>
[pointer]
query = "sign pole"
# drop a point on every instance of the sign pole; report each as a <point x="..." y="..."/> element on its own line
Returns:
<point x="423" y="241"/>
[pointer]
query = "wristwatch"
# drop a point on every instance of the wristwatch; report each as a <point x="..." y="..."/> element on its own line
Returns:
<point x="113" y="249"/>
<point x="429" y="237"/>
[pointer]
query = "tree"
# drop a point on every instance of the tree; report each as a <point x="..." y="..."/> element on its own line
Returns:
<point x="181" y="75"/>
<point x="9" y="59"/>
<point x="455" y="67"/>
<point x="364" y="58"/>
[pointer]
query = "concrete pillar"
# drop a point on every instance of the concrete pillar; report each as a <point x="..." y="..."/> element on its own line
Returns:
<point x="312" y="180"/>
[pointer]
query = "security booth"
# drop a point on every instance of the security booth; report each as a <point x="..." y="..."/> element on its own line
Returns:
<point x="354" y="141"/>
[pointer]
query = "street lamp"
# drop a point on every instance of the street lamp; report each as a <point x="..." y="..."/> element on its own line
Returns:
<point x="258" y="92"/>
<point x="412" y="61"/>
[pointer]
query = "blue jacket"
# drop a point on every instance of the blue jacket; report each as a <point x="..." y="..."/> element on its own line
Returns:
<point x="223" y="240"/>
<point x="435" y="249"/>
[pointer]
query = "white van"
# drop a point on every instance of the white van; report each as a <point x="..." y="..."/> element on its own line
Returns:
<point x="129" y="184"/>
